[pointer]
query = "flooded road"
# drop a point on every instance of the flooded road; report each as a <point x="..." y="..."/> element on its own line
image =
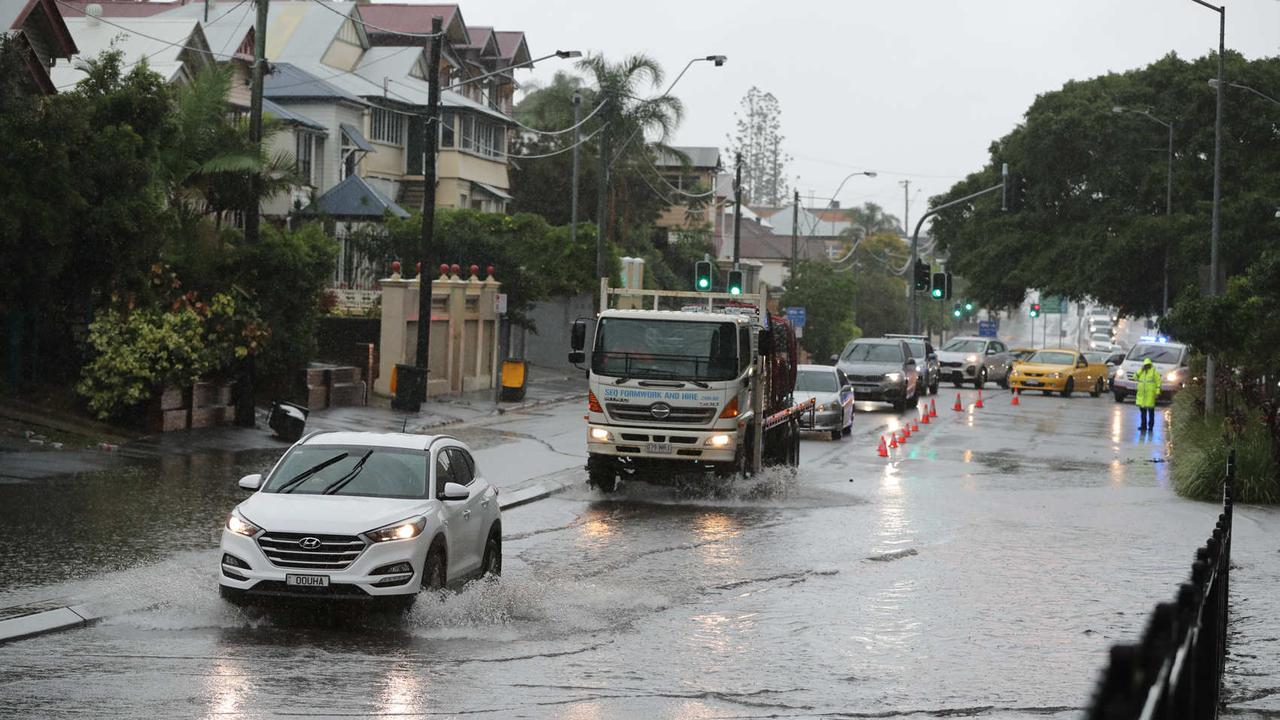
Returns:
<point x="983" y="570"/>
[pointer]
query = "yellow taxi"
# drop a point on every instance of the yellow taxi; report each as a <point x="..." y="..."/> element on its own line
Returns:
<point x="1059" y="370"/>
<point x="1018" y="355"/>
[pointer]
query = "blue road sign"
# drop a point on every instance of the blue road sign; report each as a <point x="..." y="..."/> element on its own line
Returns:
<point x="988" y="328"/>
<point x="796" y="316"/>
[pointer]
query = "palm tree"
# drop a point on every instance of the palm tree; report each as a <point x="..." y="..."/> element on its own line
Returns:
<point x="624" y="123"/>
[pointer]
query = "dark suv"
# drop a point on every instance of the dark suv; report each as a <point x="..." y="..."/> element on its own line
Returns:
<point x="926" y="361"/>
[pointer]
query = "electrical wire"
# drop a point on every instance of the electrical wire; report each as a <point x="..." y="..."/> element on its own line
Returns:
<point x="675" y="189"/>
<point x="562" y="131"/>
<point x="131" y="31"/>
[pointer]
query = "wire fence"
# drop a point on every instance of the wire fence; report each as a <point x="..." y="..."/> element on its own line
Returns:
<point x="1175" y="672"/>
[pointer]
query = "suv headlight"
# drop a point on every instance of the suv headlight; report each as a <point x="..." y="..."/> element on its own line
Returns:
<point x="237" y="524"/>
<point x="403" y="530"/>
<point x="893" y="377"/>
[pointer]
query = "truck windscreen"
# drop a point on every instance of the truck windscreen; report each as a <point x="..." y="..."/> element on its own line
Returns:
<point x="665" y="349"/>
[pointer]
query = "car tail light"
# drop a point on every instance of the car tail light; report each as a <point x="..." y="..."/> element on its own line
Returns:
<point x="730" y="410"/>
<point x="593" y="405"/>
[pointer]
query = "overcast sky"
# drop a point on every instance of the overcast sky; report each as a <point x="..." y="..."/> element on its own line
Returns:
<point x="913" y="89"/>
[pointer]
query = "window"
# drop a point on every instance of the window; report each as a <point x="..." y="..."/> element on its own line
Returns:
<point x="302" y="156"/>
<point x="446" y="129"/>
<point x="462" y="466"/>
<point x="348" y="164"/>
<point x="387" y="126"/>
<point x="444" y="471"/>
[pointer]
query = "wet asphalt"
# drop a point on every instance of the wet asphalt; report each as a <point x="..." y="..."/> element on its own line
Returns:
<point x="981" y="570"/>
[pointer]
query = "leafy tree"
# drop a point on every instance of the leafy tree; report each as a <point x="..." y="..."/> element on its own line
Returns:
<point x="827" y="295"/>
<point x="758" y="137"/>
<point x="874" y="219"/>
<point x="1093" y="221"/>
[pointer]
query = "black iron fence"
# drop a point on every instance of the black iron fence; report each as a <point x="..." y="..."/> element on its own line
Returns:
<point x="1175" y="672"/>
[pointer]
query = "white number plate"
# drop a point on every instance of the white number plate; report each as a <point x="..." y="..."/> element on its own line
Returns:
<point x="307" y="580"/>
<point x="1031" y="383"/>
<point x="658" y="448"/>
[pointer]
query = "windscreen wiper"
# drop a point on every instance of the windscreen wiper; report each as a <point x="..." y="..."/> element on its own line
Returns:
<point x="297" y="479"/>
<point x="341" y="482"/>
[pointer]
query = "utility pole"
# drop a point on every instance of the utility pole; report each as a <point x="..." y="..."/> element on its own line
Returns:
<point x="602" y="196"/>
<point x="737" y="209"/>
<point x="1210" y="386"/>
<point x="906" y="204"/>
<point x="795" y="221"/>
<point x="252" y="218"/>
<point x="431" y="132"/>
<point x="573" y="193"/>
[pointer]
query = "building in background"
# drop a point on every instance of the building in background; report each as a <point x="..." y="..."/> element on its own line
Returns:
<point x="41" y="34"/>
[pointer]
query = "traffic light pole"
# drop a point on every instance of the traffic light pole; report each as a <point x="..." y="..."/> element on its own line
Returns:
<point x="915" y="245"/>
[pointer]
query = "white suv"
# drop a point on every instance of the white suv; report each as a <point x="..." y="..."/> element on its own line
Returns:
<point x="358" y="515"/>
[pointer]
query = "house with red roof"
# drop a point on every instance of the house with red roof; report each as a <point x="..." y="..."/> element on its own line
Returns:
<point x="38" y="29"/>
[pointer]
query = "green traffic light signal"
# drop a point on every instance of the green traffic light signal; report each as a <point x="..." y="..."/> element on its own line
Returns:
<point x="968" y="306"/>
<point x="936" y="293"/>
<point x="704" y="283"/>
<point x="702" y="275"/>
<point x="956" y="311"/>
<point x="735" y="282"/>
<point x="1035" y="310"/>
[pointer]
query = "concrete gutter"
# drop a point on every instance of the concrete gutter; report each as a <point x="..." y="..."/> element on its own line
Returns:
<point x="47" y="621"/>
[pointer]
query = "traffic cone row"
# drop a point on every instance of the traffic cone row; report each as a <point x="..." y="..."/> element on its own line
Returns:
<point x="926" y="412"/>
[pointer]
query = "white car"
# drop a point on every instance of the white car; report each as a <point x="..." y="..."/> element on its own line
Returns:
<point x="362" y="515"/>
<point x="833" y="399"/>
<point x="1170" y="360"/>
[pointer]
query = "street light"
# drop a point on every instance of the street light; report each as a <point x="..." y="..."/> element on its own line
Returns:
<point x="1209" y="374"/>
<point x="1168" y="196"/>
<point x="1213" y="83"/>
<point x="606" y="162"/>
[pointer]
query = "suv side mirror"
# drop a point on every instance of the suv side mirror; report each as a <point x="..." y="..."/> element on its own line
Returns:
<point x="251" y="482"/>
<point x="454" y="491"/>
<point x="991" y="350"/>
<point x="578" y="336"/>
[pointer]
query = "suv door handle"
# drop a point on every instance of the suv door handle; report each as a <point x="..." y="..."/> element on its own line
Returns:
<point x="466" y="514"/>
<point x="484" y="503"/>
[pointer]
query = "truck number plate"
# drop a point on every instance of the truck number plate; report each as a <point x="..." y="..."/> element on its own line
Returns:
<point x="658" y="448"/>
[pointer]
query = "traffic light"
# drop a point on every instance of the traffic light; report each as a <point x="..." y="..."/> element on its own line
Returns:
<point x="702" y="278"/>
<point x="922" y="275"/>
<point x="968" y="306"/>
<point x="957" y="311"/>
<point x="1015" y="192"/>
<point x="1035" y="310"/>
<point x="735" y="282"/>
<point x="941" y="286"/>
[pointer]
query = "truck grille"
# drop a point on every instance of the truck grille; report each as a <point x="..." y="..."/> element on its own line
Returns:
<point x="334" y="552"/>
<point x="641" y="413"/>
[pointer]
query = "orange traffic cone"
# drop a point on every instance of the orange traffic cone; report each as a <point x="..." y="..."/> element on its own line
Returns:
<point x="979" y="403"/>
<point x="915" y="427"/>
<point x="906" y="430"/>
<point x="924" y="417"/>
<point x="1015" y="400"/>
<point x="903" y="439"/>
<point x="933" y="408"/>
<point x="958" y="407"/>
<point x="893" y="441"/>
<point x="882" y="451"/>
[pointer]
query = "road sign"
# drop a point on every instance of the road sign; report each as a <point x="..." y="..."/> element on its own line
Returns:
<point x="500" y="303"/>
<point x="1053" y="305"/>
<point x="796" y="316"/>
<point x="988" y="328"/>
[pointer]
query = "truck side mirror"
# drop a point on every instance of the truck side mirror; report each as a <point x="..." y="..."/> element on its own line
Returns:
<point x="578" y="336"/>
<point x="577" y="357"/>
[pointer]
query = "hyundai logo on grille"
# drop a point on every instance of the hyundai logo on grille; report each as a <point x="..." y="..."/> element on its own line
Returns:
<point x="660" y="411"/>
<point x="309" y="543"/>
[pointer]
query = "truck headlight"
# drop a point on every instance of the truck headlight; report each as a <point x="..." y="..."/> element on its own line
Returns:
<point x="237" y="524"/>
<point x="402" y="530"/>
<point x="893" y="377"/>
<point x="600" y="435"/>
<point x="719" y="441"/>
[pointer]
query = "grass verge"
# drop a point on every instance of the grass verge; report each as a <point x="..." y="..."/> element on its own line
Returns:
<point x="1200" y="445"/>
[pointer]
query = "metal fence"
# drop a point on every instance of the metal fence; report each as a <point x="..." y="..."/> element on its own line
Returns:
<point x="1175" y="672"/>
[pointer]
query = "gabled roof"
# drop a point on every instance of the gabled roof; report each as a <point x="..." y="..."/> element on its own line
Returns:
<point x="117" y="8"/>
<point x="290" y="82"/>
<point x="354" y="199"/>
<point x="408" y="18"/>
<point x="15" y="13"/>
<point x="512" y="46"/>
<point x="811" y="225"/>
<point x="227" y="29"/>
<point x="699" y="157"/>
<point x="483" y="41"/>
<point x="159" y="41"/>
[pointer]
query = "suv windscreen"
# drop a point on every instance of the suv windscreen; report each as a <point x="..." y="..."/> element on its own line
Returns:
<point x="965" y="346"/>
<point x="917" y="349"/>
<point x="872" y="352"/>
<point x="345" y="470"/>
<point x="666" y="349"/>
<point x="1159" y="353"/>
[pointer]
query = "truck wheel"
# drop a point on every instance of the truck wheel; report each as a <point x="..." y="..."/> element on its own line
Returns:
<point x="602" y="474"/>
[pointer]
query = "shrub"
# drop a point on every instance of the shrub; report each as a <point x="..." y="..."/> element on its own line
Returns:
<point x="1200" y="447"/>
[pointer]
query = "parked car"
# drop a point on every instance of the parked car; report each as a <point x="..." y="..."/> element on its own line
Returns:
<point x="926" y="361"/>
<point x="1170" y="360"/>
<point x="1059" y="370"/>
<point x="976" y="360"/>
<point x="362" y="516"/>
<point x="833" y="399"/>
<point x="881" y="369"/>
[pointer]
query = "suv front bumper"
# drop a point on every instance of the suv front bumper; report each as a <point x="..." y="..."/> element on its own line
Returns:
<point x="356" y="581"/>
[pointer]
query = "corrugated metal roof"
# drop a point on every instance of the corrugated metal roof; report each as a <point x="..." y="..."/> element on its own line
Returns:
<point x="288" y="81"/>
<point x="354" y="198"/>
<point x="512" y="46"/>
<point x="355" y="136"/>
<point x="288" y="116"/>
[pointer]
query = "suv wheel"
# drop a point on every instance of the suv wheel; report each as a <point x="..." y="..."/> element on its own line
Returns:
<point x="434" y="570"/>
<point x="492" y="563"/>
<point x="981" y="380"/>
